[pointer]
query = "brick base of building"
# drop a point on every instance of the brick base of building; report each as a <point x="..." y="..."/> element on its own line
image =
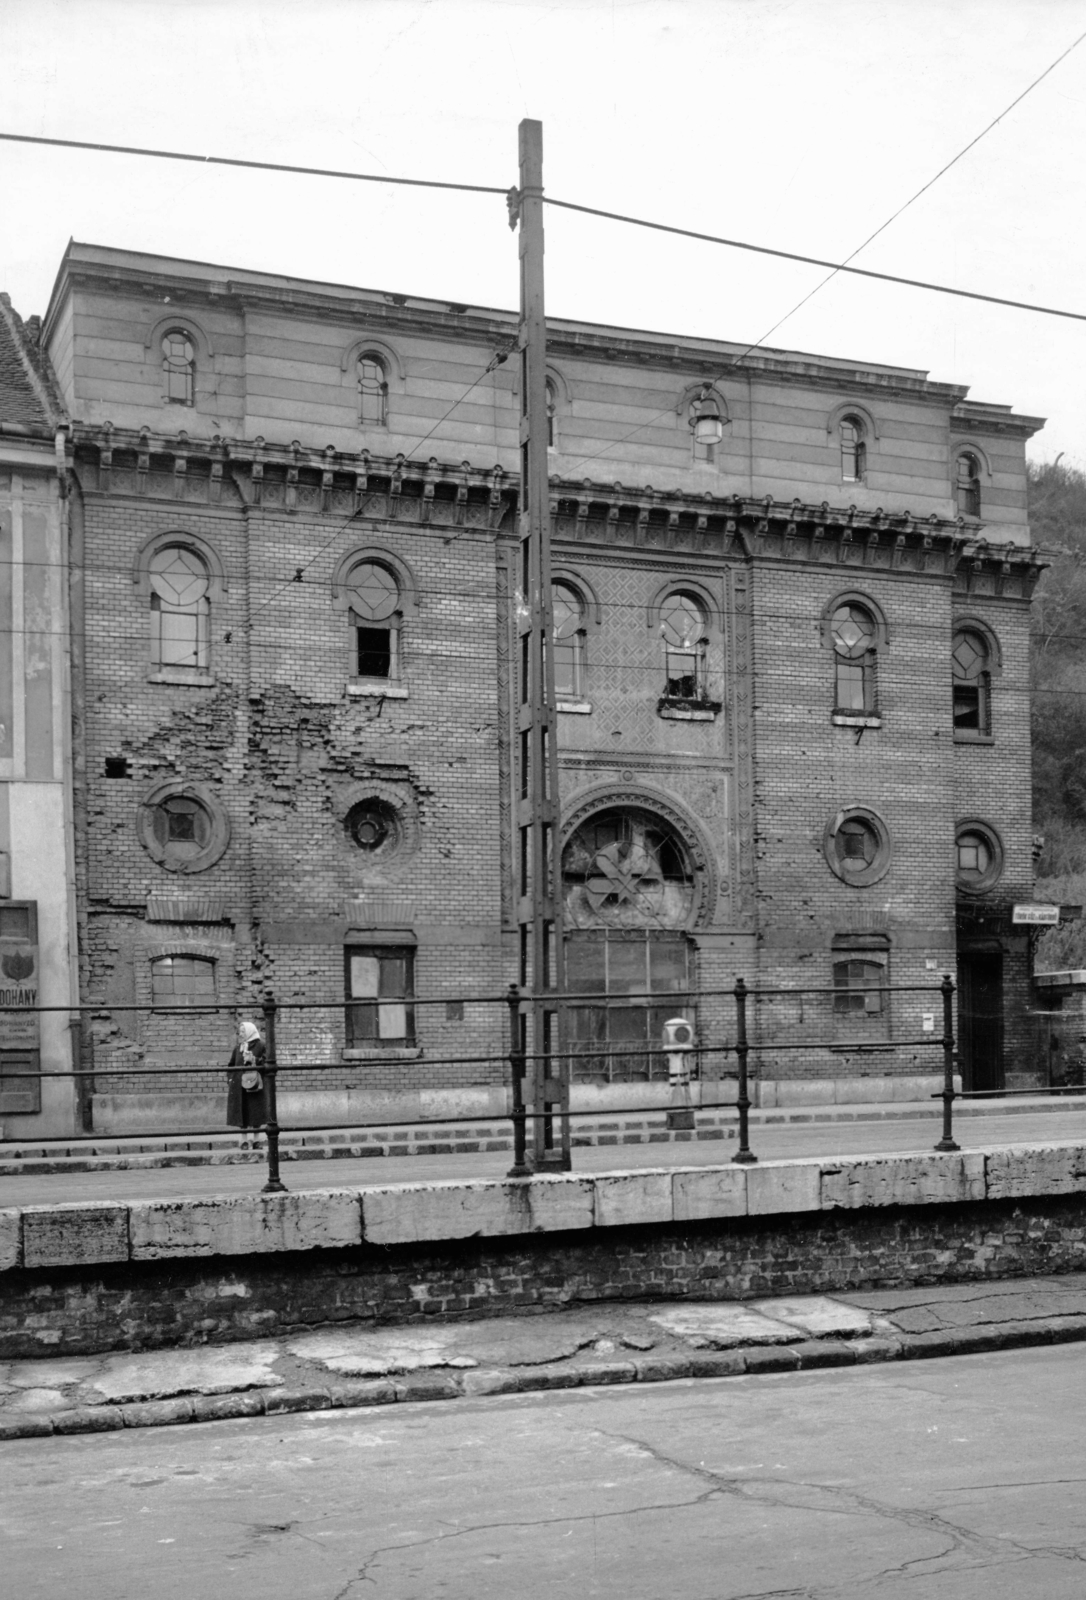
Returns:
<point x="159" y="1305"/>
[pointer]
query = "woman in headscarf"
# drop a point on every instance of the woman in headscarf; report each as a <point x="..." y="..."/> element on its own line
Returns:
<point x="245" y="1101"/>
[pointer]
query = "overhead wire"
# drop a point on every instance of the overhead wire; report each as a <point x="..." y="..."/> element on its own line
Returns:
<point x="258" y="166"/>
<point x="845" y="265"/>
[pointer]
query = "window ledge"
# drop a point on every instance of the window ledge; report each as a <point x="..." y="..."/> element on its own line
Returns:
<point x="846" y="719"/>
<point x="693" y="713"/>
<point x="576" y="708"/>
<point x="203" y="680"/>
<point x="393" y="1053"/>
<point x="964" y="737"/>
<point x="376" y="688"/>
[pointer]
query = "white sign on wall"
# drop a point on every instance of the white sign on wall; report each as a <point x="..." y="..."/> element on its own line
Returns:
<point x="1036" y="916"/>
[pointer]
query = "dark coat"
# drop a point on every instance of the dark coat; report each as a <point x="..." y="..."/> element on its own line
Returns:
<point x="246" y="1108"/>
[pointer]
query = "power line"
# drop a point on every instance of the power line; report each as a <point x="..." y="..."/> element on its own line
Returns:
<point x="259" y="166"/>
<point x="913" y="198"/>
<point x="496" y="360"/>
<point x="816" y="261"/>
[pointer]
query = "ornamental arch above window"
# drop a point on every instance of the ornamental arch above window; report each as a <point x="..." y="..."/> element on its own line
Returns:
<point x="628" y="866"/>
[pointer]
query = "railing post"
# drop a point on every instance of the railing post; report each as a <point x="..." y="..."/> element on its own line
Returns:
<point x="275" y="1184"/>
<point x="947" y="1142"/>
<point x="520" y="1167"/>
<point x="744" y="1155"/>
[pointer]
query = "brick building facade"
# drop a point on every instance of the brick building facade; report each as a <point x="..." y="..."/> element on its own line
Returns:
<point x="793" y="673"/>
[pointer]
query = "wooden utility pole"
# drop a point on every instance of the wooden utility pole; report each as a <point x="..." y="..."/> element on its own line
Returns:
<point x="541" y="974"/>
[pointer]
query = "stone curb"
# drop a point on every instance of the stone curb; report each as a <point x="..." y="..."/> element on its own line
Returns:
<point x="806" y="1356"/>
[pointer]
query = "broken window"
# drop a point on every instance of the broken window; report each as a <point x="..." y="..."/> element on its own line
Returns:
<point x="967" y="487"/>
<point x="182" y="981"/>
<point x="855" y="639"/>
<point x="180" y="609"/>
<point x="375" y="617"/>
<point x="972" y="684"/>
<point x="178" y="368"/>
<point x="639" y="978"/>
<point x="182" y="829"/>
<point x="569" y="642"/>
<point x="853" y="449"/>
<point x="372" y="390"/>
<point x="380" y="982"/>
<point x="684" y="628"/>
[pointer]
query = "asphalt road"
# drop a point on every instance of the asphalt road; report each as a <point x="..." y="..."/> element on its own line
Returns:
<point x="773" y="1141"/>
<point x="960" y="1479"/>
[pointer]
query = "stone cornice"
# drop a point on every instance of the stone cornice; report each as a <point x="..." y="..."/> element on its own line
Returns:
<point x="289" y="480"/>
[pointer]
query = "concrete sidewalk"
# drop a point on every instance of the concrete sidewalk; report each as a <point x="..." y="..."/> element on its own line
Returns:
<point x="116" y="1153"/>
<point x="341" y="1166"/>
<point x="352" y="1364"/>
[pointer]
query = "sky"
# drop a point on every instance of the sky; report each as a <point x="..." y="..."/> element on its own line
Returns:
<point x="801" y="124"/>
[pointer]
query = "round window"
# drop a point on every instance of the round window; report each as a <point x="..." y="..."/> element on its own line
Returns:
<point x="374" y="826"/>
<point x="856" y="845"/>
<point x="978" y="857"/>
<point x="182" y="827"/>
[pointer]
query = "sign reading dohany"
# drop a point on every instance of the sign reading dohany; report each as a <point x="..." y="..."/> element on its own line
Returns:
<point x="1036" y="916"/>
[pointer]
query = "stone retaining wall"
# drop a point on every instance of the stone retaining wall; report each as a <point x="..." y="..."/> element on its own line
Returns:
<point x="87" y="1278"/>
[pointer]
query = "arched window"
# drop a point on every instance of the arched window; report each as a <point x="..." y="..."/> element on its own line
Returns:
<point x="855" y="639"/>
<point x="967" y="486"/>
<point x="552" y="415"/>
<point x="569" y="642"/>
<point x="372" y="390"/>
<point x="971" y="665"/>
<point x="180" y="609"/>
<point x="375" y="616"/>
<point x="684" y="629"/>
<point x="853" y="437"/>
<point x="182" y="981"/>
<point x="860" y="974"/>
<point x="179" y="367"/>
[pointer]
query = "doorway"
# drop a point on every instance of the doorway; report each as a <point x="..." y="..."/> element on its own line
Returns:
<point x="980" y="1020"/>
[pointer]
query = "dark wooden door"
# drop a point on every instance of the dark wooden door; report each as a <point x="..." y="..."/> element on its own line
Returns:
<point x="980" y="1019"/>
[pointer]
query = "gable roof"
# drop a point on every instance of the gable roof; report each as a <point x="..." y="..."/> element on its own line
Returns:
<point x="28" y="398"/>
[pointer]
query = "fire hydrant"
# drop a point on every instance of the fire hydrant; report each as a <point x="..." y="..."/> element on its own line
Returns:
<point x="679" y="1047"/>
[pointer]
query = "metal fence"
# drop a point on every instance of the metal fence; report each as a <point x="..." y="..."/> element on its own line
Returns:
<point x="754" y="1025"/>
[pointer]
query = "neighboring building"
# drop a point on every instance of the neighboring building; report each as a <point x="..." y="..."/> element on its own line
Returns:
<point x="37" y="885"/>
<point x="795" y="740"/>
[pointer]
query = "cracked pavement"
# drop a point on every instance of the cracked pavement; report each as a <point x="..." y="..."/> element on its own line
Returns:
<point x="350" y="1364"/>
<point x="952" y="1480"/>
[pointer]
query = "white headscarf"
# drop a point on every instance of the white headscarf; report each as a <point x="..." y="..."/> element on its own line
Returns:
<point x="248" y="1031"/>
